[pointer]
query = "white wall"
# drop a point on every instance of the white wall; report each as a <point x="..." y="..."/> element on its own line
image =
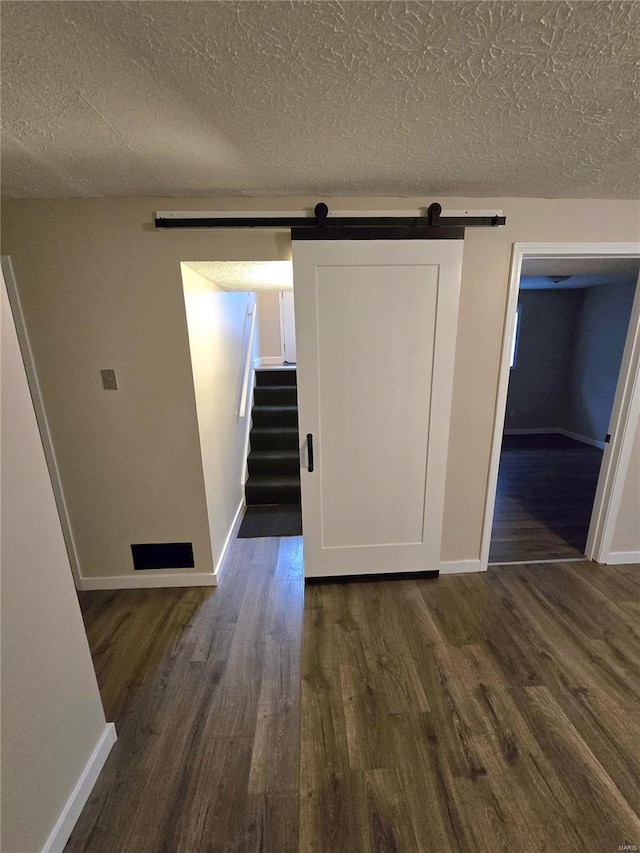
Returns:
<point x="218" y="335"/>
<point x="269" y="324"/>
<point x="101" y="288"/>
<point x="52" y="717"/>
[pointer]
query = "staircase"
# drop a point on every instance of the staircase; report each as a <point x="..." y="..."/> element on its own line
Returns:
<point x="274" y="461"/>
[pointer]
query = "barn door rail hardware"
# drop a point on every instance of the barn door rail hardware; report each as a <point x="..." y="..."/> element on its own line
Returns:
<point x="321" y="218"/>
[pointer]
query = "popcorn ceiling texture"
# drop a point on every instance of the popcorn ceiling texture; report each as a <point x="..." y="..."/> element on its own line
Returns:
<point x="531" y="99"/>
<point x="255" y="276"/>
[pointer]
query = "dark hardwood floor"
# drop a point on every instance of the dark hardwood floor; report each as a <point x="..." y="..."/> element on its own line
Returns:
<point x="544" y="499"/>
<point x="472" y="713"/>
<point x="203" y="685"/>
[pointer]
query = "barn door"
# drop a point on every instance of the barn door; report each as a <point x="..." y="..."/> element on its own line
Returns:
<point x="376" y="327"/>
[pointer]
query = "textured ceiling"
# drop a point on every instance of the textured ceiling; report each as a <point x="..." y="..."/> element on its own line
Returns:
<point x="246" y="275"/>
<point x="532" y="99"/>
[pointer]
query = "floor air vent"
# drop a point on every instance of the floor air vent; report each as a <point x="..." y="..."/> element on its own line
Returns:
<point x="163" y="555"/>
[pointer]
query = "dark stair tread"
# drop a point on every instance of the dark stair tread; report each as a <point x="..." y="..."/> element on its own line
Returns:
<point x="274" y="454"/>
<point x="275" y="407"/>
<point x="266" y="377"/>
<point x="276" y="430"/>
<point x="273" y="481"/>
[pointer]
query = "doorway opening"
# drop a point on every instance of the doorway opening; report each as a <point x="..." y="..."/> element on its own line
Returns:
<point x="565" y="401"/>
<point x="242" y="341"/>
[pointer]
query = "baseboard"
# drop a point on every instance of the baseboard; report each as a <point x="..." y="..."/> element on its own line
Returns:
<point x="531" y="431"/>
<point x="69" y="815"/>
<point x="617" y="558"/>
<point x="231" y="535"/>
<point x="269" y="361"/>
<point x="585" y="439"/>
<point x="459" y="567"/>
<point x="149" y="580"/>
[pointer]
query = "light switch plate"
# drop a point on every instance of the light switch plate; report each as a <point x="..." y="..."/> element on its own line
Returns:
<point x="109" y="381"/>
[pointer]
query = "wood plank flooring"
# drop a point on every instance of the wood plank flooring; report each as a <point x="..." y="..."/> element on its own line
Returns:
<point x="203" y="686"/>
<point x="486" y="712"/>
<point x="544" y="499"/>
<point x="474" y="713"/>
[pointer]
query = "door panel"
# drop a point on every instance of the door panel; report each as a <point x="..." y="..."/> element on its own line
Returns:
<point x="376" y="323"/>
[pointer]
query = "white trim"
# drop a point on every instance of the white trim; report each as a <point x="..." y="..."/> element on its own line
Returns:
<point x="535" y="562"/>
<point x="149" y="580"/>
<point x="41" y="417"/>
<point x="69" y="815"/>
<point x="269" y="361"/>
<point x="618" y="558"/>
<point x="531" y="431"/>
<point x="622" y="427"/>
<point x="247" y="435"/>
<point x="231" y="535"/>
<point x="612" y="475"/>
<point x="458" y="567"/>
<point x="585" y="439"/>
<point x="252" y="312"/>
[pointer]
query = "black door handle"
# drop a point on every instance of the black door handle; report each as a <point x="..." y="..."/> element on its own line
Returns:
<point x="309" y="452"/>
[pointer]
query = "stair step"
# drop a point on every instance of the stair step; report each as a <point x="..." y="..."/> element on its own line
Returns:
<point x="273" y="490"/>
<point x="274" y="438"/>
<point x="279" y="376"/>
<point x="275" y="415"/>
<point x="273" y="395"/>
<point x="273" y="462"/>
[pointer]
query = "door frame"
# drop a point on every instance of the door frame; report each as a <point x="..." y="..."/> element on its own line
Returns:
<point x="626" y="406"/>
<point x="41" y="417"/>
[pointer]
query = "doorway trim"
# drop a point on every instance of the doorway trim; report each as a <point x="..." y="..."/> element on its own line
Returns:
<point x="41" y="417"/>
<point x="626" y="407"/>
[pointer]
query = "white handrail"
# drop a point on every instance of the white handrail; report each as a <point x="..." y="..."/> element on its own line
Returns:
<point x="251" y="312"/>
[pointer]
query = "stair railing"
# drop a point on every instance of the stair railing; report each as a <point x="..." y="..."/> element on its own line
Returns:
<point x="248" y="359"/>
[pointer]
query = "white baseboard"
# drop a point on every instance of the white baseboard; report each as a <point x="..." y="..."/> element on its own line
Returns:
<point x="585" y="439"/>
<point x="69" y="815"/>
<point x="531" y="431"/>
<point x="458" y="567"/>
<point x="269" y="361"/>
<point x="617" y="558"/>
<point x="149" y="580"/>
<point x="231" y="535"/>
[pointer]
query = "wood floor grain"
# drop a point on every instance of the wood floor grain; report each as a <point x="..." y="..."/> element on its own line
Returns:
<point x="476" y="713"/>
<point x="486" y="712"/>
<point x="203" y="685"/>
<point x="544" y="498"/>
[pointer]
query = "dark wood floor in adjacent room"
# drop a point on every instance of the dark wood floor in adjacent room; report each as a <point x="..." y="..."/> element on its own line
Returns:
<point x="544" y="499"/>
<point x="473" y="713"/>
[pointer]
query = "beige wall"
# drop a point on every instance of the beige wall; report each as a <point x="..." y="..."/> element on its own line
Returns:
<point x="218" y="336"/>
<point x="52" y="717"/>
<point x="269" y="324"/>
<point x="102" y="289"/>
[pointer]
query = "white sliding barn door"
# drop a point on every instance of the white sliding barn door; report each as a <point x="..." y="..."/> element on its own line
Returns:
<point x="376" y="327"/>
